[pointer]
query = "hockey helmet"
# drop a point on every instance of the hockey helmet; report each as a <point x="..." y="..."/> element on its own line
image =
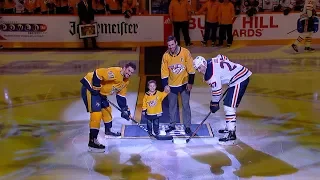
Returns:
<point x="198" y="61"/>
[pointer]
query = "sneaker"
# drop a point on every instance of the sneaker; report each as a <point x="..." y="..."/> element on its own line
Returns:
<point x="170" y="129"/>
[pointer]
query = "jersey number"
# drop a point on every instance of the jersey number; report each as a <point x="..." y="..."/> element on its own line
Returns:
<point x="229" y="66"/>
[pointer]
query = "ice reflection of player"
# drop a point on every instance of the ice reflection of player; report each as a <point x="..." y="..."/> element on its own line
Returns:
<point x="133" y="169"/>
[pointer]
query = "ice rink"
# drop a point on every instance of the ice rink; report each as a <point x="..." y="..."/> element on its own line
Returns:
<point x="44" y="125"/>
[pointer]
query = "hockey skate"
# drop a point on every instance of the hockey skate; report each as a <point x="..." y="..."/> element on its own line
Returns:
<point x="309" y="49"/>
<point x="95" y="146"/>
<point x="229" y="138"/>
<point x="222" y="131"/>
<point x="110" y="134"/>
<point x="295" y="47"/>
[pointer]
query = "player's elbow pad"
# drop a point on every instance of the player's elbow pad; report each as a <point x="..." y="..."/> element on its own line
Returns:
<point x="122" y="101"/>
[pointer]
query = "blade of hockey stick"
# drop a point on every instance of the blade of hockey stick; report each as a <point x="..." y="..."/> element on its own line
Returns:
<point x="197" y="129"/>
<point x="142" y="127"/>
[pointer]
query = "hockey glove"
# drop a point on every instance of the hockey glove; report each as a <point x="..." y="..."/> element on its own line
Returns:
<point x="214" y="106"/>
<point x="125" y="113"/>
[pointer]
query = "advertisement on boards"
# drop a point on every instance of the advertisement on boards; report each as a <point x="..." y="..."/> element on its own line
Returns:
<point x="259" y="27"/>
<point x="65" y="29"/>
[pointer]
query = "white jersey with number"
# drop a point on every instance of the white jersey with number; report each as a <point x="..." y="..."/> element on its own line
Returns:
<point x="220" y="70"/>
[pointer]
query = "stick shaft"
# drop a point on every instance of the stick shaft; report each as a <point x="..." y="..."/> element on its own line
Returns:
<point x="292" y="31"/>
<point x="197" y="129"/>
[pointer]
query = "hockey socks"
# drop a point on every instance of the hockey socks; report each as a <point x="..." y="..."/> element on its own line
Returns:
<point x="94" y="145"/>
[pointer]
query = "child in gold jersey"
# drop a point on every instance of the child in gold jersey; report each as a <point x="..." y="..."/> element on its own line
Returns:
<point x="152" y="107"/>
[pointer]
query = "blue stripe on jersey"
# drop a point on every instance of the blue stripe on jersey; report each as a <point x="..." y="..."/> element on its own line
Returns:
<point x="85" y="83"/>
<point x="95" y="80"/>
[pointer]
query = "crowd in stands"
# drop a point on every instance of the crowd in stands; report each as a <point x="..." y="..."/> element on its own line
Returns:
<point x="64" y="6"/>
<point x="120" y="6"/>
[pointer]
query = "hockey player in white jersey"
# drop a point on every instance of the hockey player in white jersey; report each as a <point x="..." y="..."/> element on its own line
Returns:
<point x="218" y="71"/>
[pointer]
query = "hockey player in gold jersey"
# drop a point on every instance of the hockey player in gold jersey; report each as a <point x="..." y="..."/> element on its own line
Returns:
<point x="96" y="86"/>
<point x="152" y="107"/>
<point x="177" y="74"/>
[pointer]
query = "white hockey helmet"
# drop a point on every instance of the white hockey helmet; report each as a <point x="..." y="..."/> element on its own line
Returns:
<point x="198" y="61"/>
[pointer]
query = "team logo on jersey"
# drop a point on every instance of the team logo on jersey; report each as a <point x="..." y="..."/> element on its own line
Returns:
<point x="110" y="75"/>
<point x="97" y="104"/>
<point x="153" y="103"/>
<point x="115" y="89"/>
<point x="177" y="68"/>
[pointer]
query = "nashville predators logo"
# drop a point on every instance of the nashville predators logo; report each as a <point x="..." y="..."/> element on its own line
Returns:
<point x="177" y="68"/>
<point x="153" y="103"/>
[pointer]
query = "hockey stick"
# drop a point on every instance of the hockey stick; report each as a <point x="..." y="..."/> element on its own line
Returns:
<point x="292" y="31"/>
<point x="142" y="127"/>
<point x="197" y="129"/>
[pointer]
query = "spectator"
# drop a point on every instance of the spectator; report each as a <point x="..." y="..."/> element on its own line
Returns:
<point x="114" y="6"/>
<point x="46" y="7"/>
<point x="99" y="6"/>
<point x="250" y="7"/>
<point x="268" y="5"/>
<point x="180" y="13"/>
<point x="31" y="6"/>
<point x="86" y="16"/>
<point x="211" y="7"/>
<point x="129" y="5"/>
<point x="72" y="4"/>
<point x="225" y="16"/>
<point x="62" y="7"/>
<point x="8" y="6"/>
